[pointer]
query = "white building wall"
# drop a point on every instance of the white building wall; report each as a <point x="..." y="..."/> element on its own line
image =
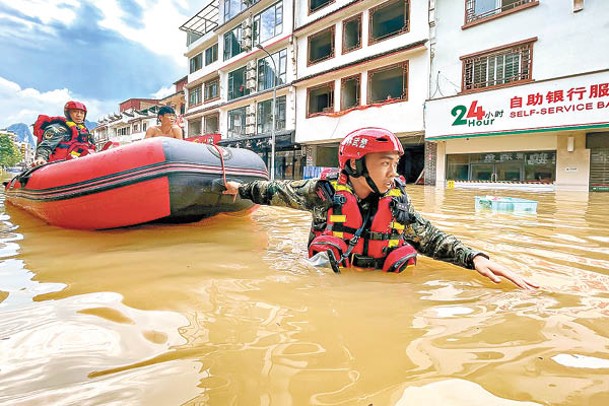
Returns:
<point x="567" y="42"/>
<point x="568" y="54"/>
<point x="401" y="117"/>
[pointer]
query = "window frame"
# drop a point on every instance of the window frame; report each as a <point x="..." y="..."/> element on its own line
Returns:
<point x="310" y="11"/>
<point x="230" y="133"/>
<point x="405" y="84"/>
<point x="403" y="30"/>
<point x="214" y="54"/>
<point x="469" y="16"/>
<point x="357" y="77"/>
<point x="282" y="67"/>
<point x="330" y="86"/>
<point x="196" y="62"/>
<point x="205" y="120"/>
<point x="359" y="18"/>
<point x="230" y="76"/>
<point x="493" y="52"/>
<point x="280" y="108"/>
<point x="206" y="86"/>
<point x="239" y="39"/>
<point x="193" y="91"/>
<point x="332" y="54"/>
<point x="277" y="28"/>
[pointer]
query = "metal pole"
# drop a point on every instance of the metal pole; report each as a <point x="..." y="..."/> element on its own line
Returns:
<point x="272" y="110"/>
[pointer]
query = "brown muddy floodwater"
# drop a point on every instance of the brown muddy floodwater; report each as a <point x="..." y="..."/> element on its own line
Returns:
<point x="228" y="312"/>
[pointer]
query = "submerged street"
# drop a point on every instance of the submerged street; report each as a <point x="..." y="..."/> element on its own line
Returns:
<point x="228" y="311"/>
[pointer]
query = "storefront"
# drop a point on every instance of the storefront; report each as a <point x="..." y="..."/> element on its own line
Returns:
<point x="547" y="135"/>
<point x="289" y="158"/>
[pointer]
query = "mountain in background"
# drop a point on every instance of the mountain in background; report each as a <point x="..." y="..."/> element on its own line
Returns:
<point x="24" y="131"/>
<point x="24" y="134"/>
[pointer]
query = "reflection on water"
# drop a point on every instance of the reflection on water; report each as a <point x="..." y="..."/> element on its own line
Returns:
<point x="228" y="311"/>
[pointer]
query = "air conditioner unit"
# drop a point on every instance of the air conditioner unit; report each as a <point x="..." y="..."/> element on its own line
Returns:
<point x="250" y="74"/>
<point x="251" y="84"/>
<point x="247" y="32"/>
<point x="246" y="44"/>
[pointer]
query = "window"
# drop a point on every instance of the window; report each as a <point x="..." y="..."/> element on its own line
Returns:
<point x="349" y="92"/>
<point x="136" y="128"/>
<point x="211" y="54"/>
<point x="498" y="67"/>
<point x="388" y="19"/>
<point x="212" y="89"/>
<point x="196" y="63"/>
<point x="528" y="167"/>
<point x="212" y="123"/>
<point x="236" y="122"/>
<point x="264" y="119"/>
<point x="232" y="43"/>
<point x="232" y="8"/>
<point x="321" y="46"/>
<point x="352" y="34"/>
<point x="320" y="99"/>
<point x="315" y="5"/>
<point x="236" y="84"/>
<point x="144" y="127"/>
<point x="388" y="84"/>
<point x="266" y="70"/>
<point x="476" y="10"/>
<point x="269" y="23"/>
<point x="194" y="96"/>
<point x="194" y="128"/>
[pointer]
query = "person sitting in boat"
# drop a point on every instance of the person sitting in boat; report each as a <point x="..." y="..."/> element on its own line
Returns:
<point x="62" y="138"/>
<point x="362" y="215"/>
<point x="167" y="126"/>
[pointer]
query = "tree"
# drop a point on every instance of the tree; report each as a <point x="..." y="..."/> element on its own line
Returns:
<point x="9" y="153"/>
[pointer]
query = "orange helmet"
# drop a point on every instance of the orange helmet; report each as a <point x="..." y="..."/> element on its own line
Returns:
<point x="364" y="141"/>
<point x="74" y="105"/>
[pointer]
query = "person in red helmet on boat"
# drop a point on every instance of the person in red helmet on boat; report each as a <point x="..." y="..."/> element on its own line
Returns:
<point x="362" y="215"/>
<point x="62" y="138"/>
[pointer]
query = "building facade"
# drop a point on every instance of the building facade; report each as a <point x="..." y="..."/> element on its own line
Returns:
<point x="361" y="64"/>
<point x="519" y="94"/>
<point x="241" y="59"/>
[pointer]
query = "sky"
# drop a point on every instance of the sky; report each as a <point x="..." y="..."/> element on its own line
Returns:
<point x="100" y="52"/>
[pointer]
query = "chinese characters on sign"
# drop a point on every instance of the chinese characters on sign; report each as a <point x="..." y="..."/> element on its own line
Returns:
<point x="560" y="101"/>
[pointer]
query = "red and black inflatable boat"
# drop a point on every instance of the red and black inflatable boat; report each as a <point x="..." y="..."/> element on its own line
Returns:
<point x="154" y="180"/>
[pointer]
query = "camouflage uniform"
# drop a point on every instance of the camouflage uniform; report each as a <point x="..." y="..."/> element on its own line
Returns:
<point x="55" y="133"/>
<point x="302" y="195"/>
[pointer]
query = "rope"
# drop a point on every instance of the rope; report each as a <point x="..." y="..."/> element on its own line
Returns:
<point x="219" y="149"/>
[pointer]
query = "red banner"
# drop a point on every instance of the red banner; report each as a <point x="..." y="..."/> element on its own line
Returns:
<point x="205" y="139"/>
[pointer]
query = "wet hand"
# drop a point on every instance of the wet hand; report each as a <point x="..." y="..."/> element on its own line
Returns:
<point x="232" y="188"/>
<point x="495" y="271"/>
<point x="38" y="162"/>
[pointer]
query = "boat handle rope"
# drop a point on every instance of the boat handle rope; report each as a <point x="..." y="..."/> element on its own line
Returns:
<point x="221" y="155"/>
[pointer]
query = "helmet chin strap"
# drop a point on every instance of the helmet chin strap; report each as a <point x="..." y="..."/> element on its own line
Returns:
<point x="361" y="170"/>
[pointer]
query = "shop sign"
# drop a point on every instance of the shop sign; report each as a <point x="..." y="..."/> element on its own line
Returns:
<point x="574" y="101"/>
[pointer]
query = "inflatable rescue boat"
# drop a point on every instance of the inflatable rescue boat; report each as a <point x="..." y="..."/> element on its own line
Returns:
<point x="154" y="180"/>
